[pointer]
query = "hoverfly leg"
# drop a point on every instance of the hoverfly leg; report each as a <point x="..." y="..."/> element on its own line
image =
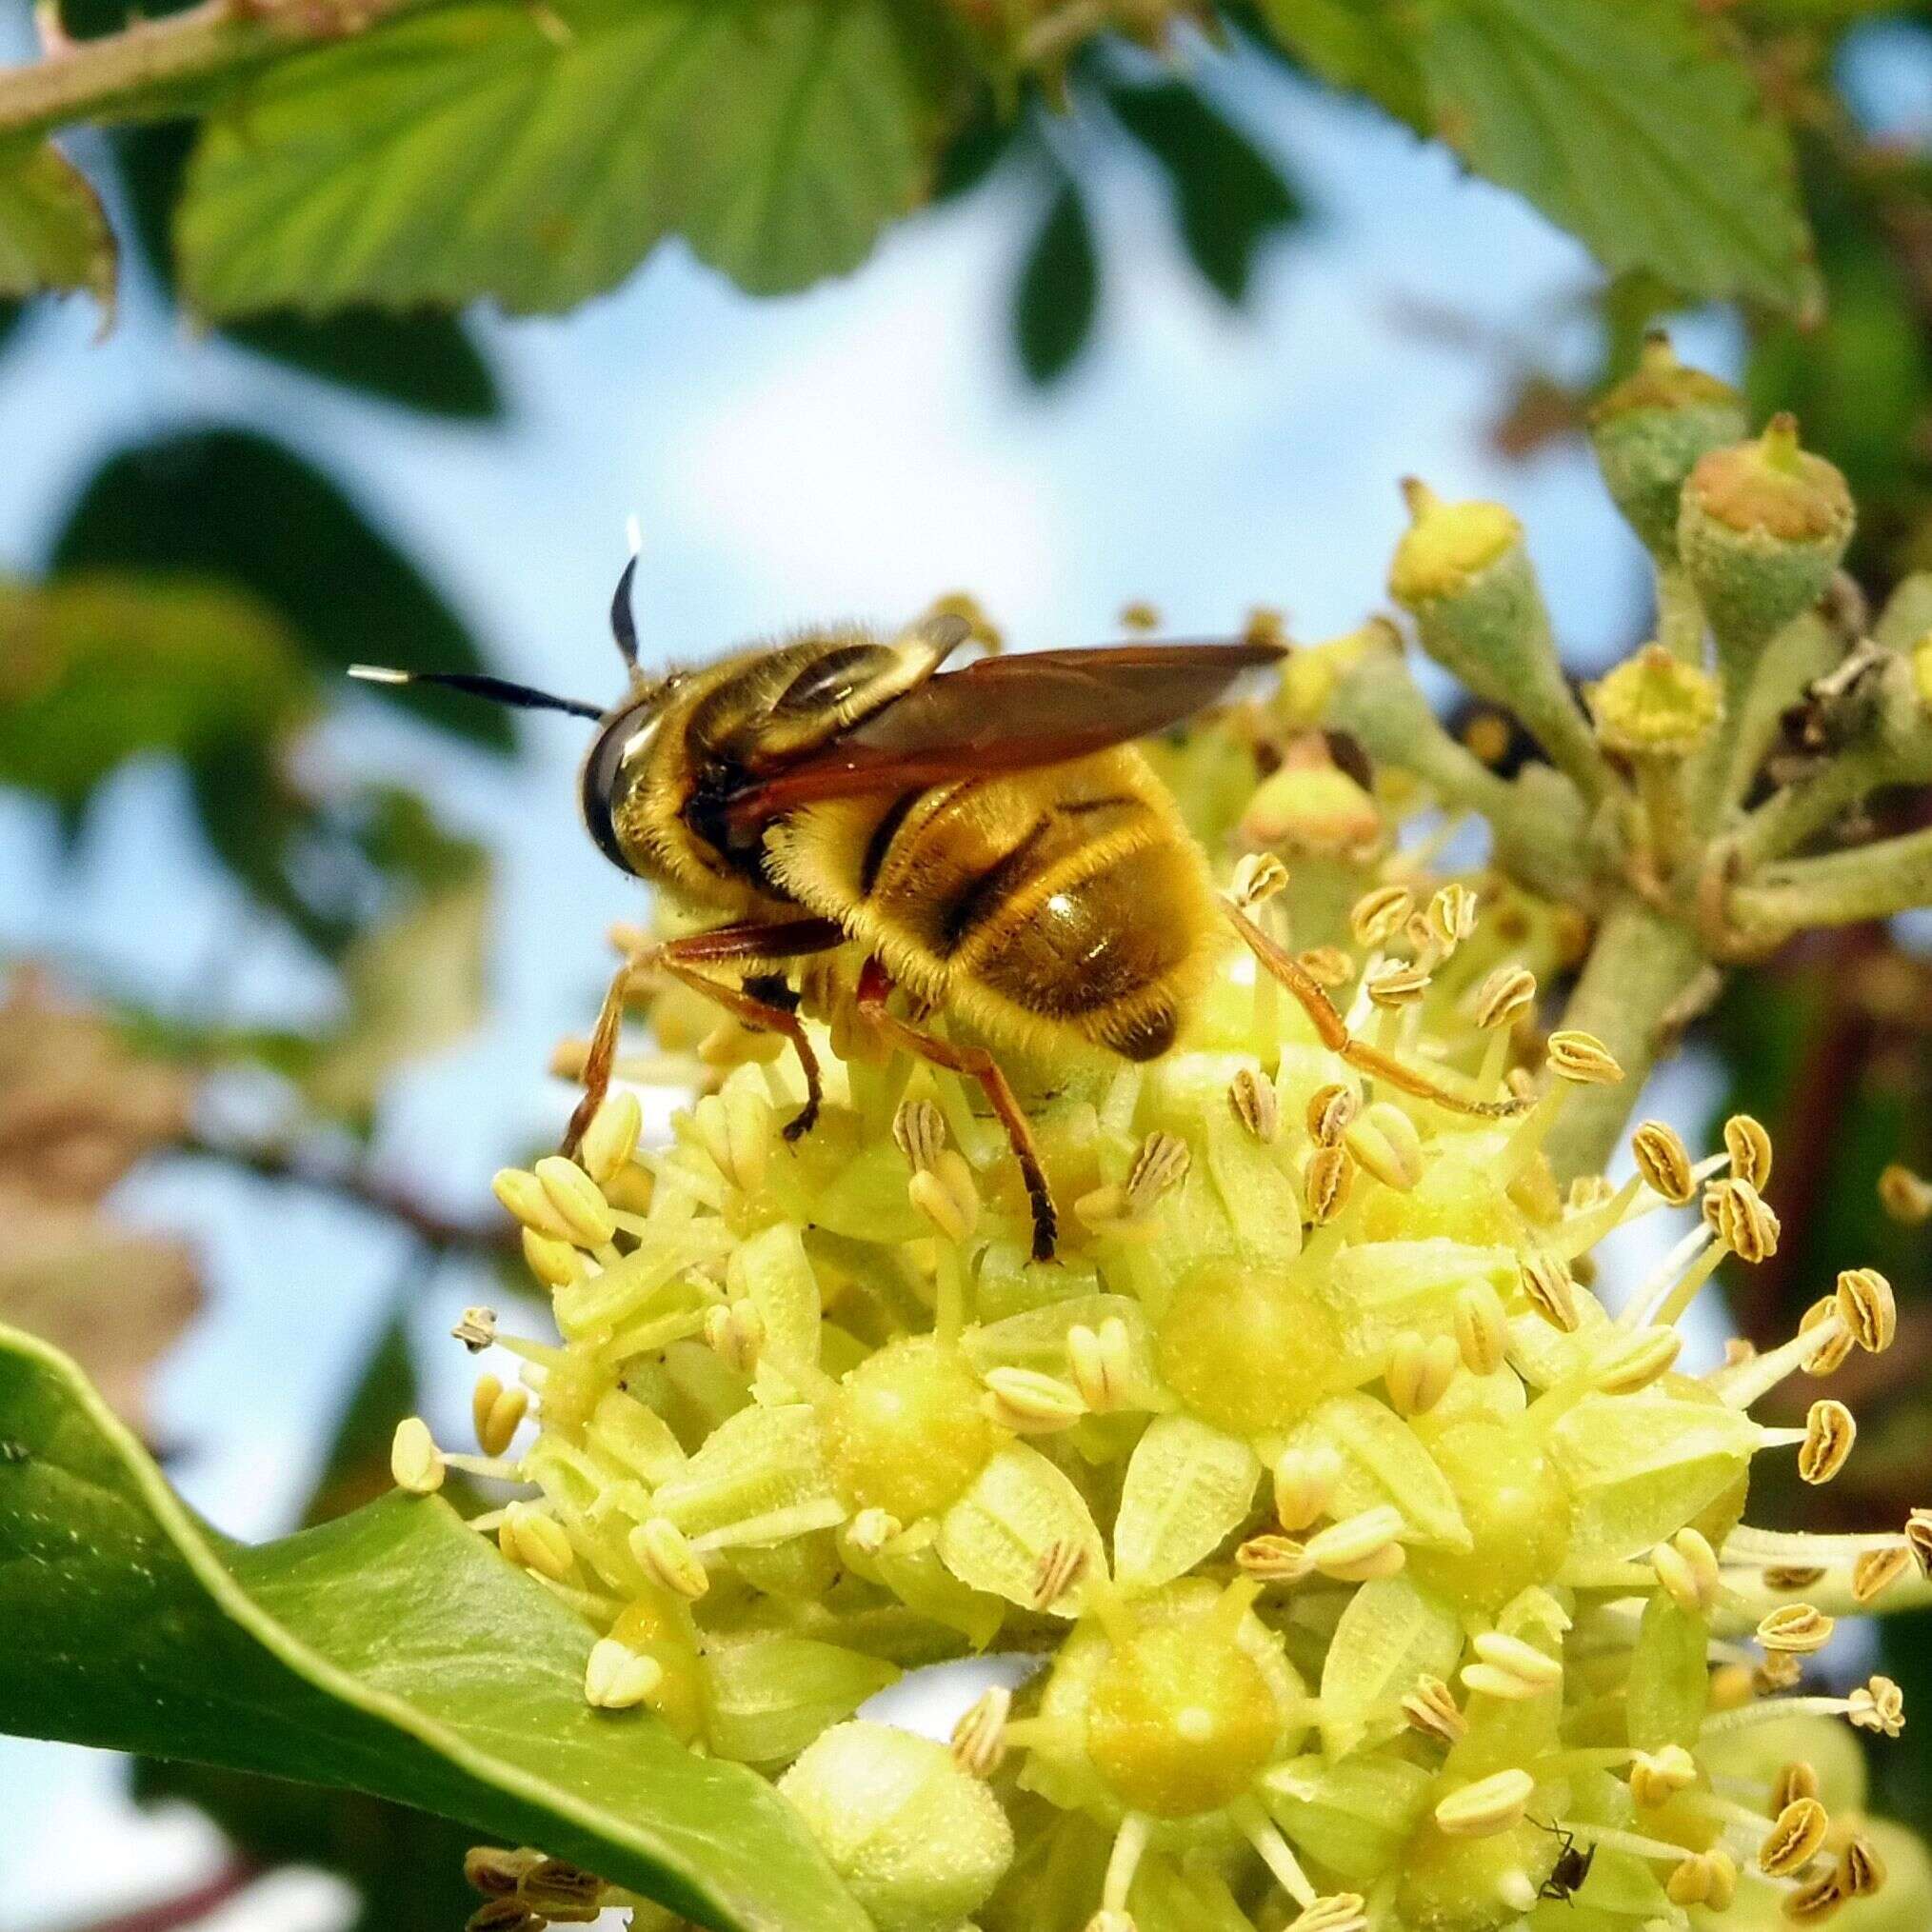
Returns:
<point x="681" y="958"/>
<point x="875" y="988"/>
<point x="1330" y="1027"/>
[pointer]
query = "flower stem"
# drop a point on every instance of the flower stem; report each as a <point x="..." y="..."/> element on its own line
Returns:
<point x="1841" y="888"/>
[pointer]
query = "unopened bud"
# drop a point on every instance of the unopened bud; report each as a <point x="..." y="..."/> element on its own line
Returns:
<point x="618" y="1678"/>
<point x="415" y="1463"/>
<point x="578" y="1200"/>
<point x="665" y="1556"/>
<point x="611" y="1138"/>
<point x="1489" y="1805"/>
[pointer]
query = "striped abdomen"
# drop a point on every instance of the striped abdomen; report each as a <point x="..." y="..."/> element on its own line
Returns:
<point x="1066" y="898"/>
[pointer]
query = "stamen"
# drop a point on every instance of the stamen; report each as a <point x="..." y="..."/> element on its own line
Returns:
<point x="1489" y="1805"/>
<point x="979" y="1739"/>
<point x="1260" y="1830"/>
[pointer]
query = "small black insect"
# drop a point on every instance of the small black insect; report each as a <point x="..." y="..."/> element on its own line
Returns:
<point x="1572" y="1865"/>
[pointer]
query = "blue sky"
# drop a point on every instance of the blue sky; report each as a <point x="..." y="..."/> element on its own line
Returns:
<point x="853" y="452"/>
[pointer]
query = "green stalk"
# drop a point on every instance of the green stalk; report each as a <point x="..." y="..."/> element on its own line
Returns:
<point x="1641" y="966"/>
<point x="1867" y="882"/>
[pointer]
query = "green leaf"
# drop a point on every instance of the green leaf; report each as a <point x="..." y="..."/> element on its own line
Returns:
<point x="391" y="1651"/>
<point x="53" y="237"/>
<point x="424" y="360"/>
<point x="235" y="504"/>
<point x="1367" y="46"/>
<point x="1625" y="123"/>
<point x="104" y="667"/>
<point x="1228" y="196"/>
<point x="537" y="156"/>
<point x="1059" y="291"/>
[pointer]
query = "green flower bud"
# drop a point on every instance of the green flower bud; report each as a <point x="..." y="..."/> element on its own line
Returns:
<point x="1649" y="432"/>
<point x="920" y="1842"/>
<point x="1655" y="706"/>
<point x="1762" y="528"/>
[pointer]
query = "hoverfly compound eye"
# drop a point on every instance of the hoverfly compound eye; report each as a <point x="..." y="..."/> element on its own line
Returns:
<point x="607" y="773"/>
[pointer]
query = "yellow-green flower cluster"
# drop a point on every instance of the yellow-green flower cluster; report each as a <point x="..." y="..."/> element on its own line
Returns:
<point x="1372" y="1573"/>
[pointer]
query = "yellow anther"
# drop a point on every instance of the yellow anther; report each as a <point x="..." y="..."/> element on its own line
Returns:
<point x="1061" y="1566"/>
<point x="1274" y="1559"/>
<point x="617" y="1678"/>
<point x="496" y="1870"/>
<point x="1663" y="1160"/>
<point x="1503" y="997"/>
<point x="1363" y="1539"/>
<point x="1396" y="983"/>
<point x="1750" y="1147"/>
<point x="1031" y="1402"/>
<point x="1879" y="1705"/>
<point x="1515" y="1657"/>
<point x="1418" y="1371"/>
<point x="1779" y="1671"/>
<point x="1489" y="1805"/>
<point x="1385" y="1142"/>
<point x="735" y="1332"/>
<point x="1919" y="1538"/>
<point x="556" y="1264"/>
<point x="1829" y="1355"/>
<point x="523" y="1195"/>
<point x="1794" y="1781"/>
<point x="1814" y="1902"/>
<point x="415" y="1463"/>
<point x="1797" y="1629"/>
<point x="948" y="1195"/>
<point x="979" y="1740"/>
<point x="1657" y="1777"/>
<point x="1829" y="1431"/>
<point x="1481" y="1329"/>
<point x="1705" y="1878"/>
<point x="1745" y="1224"/>
<point x="1550" y="1289"/>
<point x="1330" y="1176"/>
<point x="665" y="1554"/>
<point x="1305" y="1480"/>
<point x="1160" y="1166"/>
<point x="1100" y="1361"/>
<point x="870" y="1530"/>
<point x="1331" y="1113"/>
<point x="1866" y="1306"/>
<point x="1380" y="914"/>
<point x="497" y="1413"/>
<point x="564" y="1893"/>
<point x="1905" y="1196"/>
<point x="1635" y="1360"/>
<point x="1452" y="915"/>
<point x="919" y="1129"/>
<point x="1258" y="876"/>
<point x="477" y="1329"/>
<point x="1861" y="1870"/>
<point x="611" y="1138"/>
<point x="1327" y="966"/>
<point x="578" y="1200"/>
<point x="1581" y="1058"/>
<point x="1796" y="1836"/>
<point x="1431" y="1708"/>
<point x="736" y="1129"/>
<point x="1876" y="1571"/>
<point x="526" y="1535"/>
<point x="1687" y="1568"/>
<point x="1337" y="1912"/>
<point x="1252" y="1096"/>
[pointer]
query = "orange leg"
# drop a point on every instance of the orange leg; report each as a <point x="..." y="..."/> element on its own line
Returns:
<point x="1283" y="967"/>
<point x="681" y="958"/>
<point x="875" y="988"/>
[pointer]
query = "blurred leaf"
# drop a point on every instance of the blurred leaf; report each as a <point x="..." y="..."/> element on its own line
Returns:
<point x="1622" y="122"/>
<point x="235" y="504"/>
<point x="415" y="984"/>
<point x="392" y="1649"/>
<point x="424" y="360"/>
<point x="78" y="1107"/>
<point x="536" y="157"/>
<point x="102" y="667"/>
<point x="970" y="157"/>
<point x="53" y="233"/>
<point x="10" y="313"/>
<point x="1229" y="195"/>
<point x="1366" y="46"/>
<point x="1059" y="289"/>
<point x="356" y="1470"/>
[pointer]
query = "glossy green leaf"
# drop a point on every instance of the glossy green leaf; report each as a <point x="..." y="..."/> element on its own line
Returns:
<point x="1622" y="121"/>
<point x="424" y="360"/>
<point x="53" y="236"/>
<point x="234" y="505"/>
<point x="1059" y="291"/>
<point x="537" y="156"/>
<point x="1229" y="196"/>
<point x="391" y="1651"/>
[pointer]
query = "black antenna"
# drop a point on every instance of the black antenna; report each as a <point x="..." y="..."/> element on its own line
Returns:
<point x="623" y="618"/>
<point x="499" y="690"/>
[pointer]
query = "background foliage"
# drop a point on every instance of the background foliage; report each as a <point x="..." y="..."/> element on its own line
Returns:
<point x="329" y="187"/>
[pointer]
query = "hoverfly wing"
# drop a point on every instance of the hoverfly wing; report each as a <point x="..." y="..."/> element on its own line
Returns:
<point x="1008" y="715"/>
